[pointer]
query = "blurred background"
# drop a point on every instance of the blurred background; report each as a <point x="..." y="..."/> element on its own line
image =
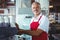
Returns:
<point x="20" y="12"/>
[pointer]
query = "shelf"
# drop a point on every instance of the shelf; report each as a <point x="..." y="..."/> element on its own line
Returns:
<point x="7" y="14"/>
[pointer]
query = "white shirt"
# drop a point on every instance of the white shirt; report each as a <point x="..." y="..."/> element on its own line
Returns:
<point x="44" y="22"/>
<point x="44" y="25"/>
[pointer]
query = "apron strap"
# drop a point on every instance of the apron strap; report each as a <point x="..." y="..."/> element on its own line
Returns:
<point x="40" y="18"/>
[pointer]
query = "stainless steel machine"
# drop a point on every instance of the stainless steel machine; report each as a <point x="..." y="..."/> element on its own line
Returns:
<point x="7" y="29"/>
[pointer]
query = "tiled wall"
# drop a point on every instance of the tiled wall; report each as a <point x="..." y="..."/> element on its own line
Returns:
<point x="21" y="16"/>
<point x="25" y="11"/>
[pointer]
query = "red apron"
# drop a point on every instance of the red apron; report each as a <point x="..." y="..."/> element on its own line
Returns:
<point x="34" y="26"/>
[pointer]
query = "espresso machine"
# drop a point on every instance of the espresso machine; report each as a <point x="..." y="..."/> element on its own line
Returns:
<point x="7" y="30"/>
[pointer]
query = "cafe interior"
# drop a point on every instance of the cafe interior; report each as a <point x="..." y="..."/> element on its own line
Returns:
<point x="15" y="13"/>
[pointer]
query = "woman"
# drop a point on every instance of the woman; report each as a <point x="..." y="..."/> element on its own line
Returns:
<point x="39" y="24"/>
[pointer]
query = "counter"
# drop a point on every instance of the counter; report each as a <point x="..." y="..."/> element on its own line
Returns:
<point x="6" y="32"/>
<point x="54" y="31"/>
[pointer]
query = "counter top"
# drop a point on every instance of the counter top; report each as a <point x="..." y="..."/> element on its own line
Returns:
<point x="54" y="28"/>
<point x="7" y="32"/>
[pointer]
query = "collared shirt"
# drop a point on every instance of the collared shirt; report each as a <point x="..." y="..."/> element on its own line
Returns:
<point x="44" y="22"/>
<point x="24" y="24"/>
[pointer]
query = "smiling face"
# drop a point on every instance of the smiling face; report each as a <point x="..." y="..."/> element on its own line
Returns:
<point x="36" y="9"/>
